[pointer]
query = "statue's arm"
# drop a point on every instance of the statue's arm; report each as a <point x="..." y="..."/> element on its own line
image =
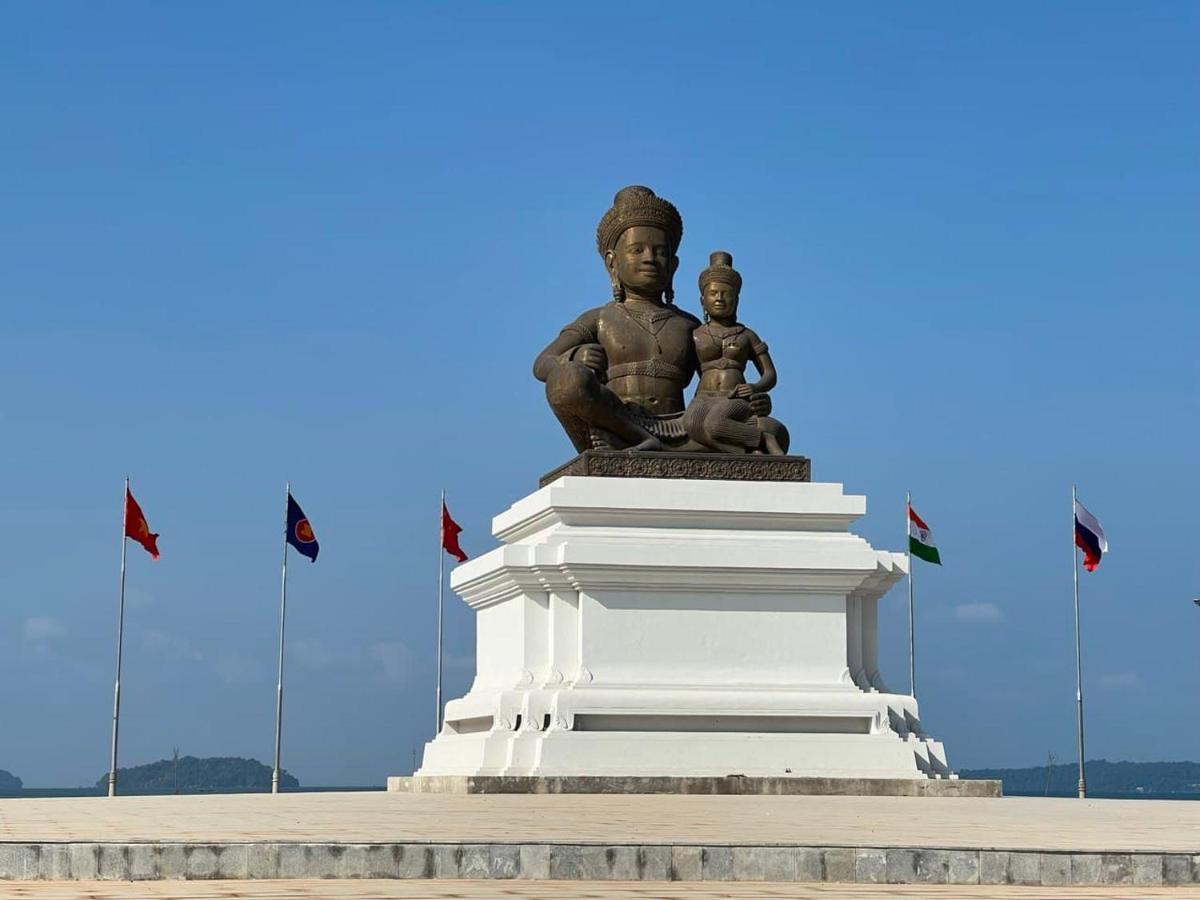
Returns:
<point x="693" y="352"/>
<point x="762" y="361"/>
<point x="583" y="330"/>
<point x="555" y="354"/>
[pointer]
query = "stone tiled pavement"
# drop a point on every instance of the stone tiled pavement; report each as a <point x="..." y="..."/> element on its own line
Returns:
<point x="868" y="840"/>
<point x="1009" y="823"/>
<point x="550" y="890"/>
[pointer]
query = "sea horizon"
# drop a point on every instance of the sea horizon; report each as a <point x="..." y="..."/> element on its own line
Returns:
<point x="35" y="793"/>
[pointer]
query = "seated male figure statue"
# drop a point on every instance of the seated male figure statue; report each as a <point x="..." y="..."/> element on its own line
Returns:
<point x="615" y="376"/>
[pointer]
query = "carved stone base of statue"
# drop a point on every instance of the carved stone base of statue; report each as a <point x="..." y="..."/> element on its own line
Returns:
<point x="639" y="627"/>
<point x="706" y="466"/>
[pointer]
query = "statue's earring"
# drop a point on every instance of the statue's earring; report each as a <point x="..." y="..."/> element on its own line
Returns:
<point x="706" y="318"/>
<point x="618" y="292"/>
<point x="670" y="292"/>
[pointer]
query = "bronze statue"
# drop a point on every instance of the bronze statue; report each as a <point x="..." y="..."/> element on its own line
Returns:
<point x="615" y="376"/>
<point x="720" y="416"/>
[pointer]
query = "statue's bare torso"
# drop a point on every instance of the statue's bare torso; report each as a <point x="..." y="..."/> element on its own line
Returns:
<point x="650" y="351"/>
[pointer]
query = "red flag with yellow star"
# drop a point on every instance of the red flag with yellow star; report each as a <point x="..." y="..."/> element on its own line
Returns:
<point x="137" y="527"/>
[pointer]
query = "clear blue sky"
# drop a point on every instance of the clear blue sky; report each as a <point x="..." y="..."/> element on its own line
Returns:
<point x="247" y="242"/>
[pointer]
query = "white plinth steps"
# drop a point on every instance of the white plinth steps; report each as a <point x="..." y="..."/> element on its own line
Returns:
<point x="638" y="629"/>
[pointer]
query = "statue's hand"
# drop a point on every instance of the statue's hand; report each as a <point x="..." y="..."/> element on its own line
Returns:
<point x="594" y="357"/>
<point x="760" y="404"/>
<point x="742" y="392"/>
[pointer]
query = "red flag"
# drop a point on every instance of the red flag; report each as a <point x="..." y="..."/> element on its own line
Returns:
<point x="137" y="527"/>
<point x="450" y="532"/>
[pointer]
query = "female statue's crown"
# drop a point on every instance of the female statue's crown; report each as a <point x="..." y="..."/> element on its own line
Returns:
<point x="720" y="268"/>
<point x="636" y="205"/>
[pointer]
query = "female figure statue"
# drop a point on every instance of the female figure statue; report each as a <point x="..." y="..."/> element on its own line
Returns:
<point x="720" y="416"/>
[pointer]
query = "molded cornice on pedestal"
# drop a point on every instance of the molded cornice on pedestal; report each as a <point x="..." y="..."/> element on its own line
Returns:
<point x="651" y="503"/>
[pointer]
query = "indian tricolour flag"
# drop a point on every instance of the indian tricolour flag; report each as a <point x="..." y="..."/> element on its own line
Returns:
<point x="920" y="539"/>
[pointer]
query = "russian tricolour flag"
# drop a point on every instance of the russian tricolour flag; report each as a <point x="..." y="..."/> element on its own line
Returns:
<point x="1089" y="537"/>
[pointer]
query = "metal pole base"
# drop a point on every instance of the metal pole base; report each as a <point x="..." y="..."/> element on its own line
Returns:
<point x="1082" y="789"/>
<point x="274" y="781"/>
<point x="112" y="784"/>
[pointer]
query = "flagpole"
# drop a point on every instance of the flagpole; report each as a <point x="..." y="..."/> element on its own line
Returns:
<point x="912" y="648"/>
<point x="112" y="769"/>
<point x="282" y="620"/>
<point x="441" y="580"/>
<point x="1078" y="662"/>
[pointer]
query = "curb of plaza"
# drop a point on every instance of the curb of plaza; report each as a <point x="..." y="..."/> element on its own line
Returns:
<point x="130" y="861"/>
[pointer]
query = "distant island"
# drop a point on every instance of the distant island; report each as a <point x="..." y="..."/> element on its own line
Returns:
<point x="193" y="775"/>
<point x="9" y="783"/>
<point x="1103" y="777"/>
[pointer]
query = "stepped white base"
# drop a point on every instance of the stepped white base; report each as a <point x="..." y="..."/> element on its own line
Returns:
<point x="645" y="627"/>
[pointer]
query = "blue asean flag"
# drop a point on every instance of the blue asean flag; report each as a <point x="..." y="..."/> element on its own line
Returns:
<point x="299" y="533"/>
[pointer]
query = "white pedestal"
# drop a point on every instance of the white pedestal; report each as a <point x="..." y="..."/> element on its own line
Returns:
<point x="632" y="627"/>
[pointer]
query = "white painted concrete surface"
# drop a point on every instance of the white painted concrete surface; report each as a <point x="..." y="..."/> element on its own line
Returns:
<point x="636" y="627"/>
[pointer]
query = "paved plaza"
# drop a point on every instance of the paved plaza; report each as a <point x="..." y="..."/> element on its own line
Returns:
<point x="447" y="841"/>
<point x="1009" y="823"/>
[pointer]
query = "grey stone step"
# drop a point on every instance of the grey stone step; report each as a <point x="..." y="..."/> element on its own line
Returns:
<point x="591" y="862"/>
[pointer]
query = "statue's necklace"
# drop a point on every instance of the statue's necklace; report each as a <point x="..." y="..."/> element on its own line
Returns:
<point x="728" y="336"/>
<point x="636" y="319"/>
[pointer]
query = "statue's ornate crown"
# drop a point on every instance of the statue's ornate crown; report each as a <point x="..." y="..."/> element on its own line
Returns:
<point x="636" y="205"/>
<point x="720" y="268"/>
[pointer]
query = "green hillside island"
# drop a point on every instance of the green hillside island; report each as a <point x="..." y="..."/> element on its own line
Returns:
<point x="9" y="782"/>
<point x="210" y="775"/>
<point x="1103" y="777"/>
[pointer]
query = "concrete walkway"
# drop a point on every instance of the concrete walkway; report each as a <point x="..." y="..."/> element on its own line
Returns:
<point x="584" y="838"/>
<point x="1009" y="823"/>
